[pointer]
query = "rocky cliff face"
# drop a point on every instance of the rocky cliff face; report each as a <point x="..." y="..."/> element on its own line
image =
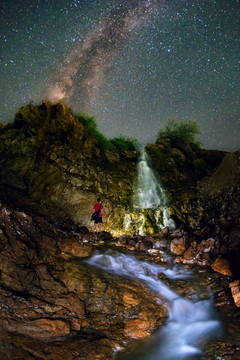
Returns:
<point x="219" y="196"/>
<point x="179" y="169"/>
<point x="47" y="155"/>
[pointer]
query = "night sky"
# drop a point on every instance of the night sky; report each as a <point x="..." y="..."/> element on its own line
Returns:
<point x="132" y="64"/>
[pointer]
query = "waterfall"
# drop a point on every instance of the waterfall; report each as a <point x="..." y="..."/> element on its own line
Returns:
<point x="149" y="193"/>
<point x="190" y="322"/>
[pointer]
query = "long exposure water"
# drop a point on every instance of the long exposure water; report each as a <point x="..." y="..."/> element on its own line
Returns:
<point x="190" y="324"/>
<point x="149" y="192"/>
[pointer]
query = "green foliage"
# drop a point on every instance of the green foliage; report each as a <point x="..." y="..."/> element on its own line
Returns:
<point x="122" y="143"/>
<point x="116" y="144"/>
<point x="180" y="131"/>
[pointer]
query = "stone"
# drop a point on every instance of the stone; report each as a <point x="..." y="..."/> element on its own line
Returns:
<point x="138" y="328"/>
<point x="75" y="249"/>
<point x="40" y="328"/>
<point x="235" y="290"/>
<point x="222" y="266"/>
<point x="144" y="245"/>
<point x="206" y="246"/>
<point x="123" y="239"/>
<point x="178" y="246"/>
<point x="190" y="253"/>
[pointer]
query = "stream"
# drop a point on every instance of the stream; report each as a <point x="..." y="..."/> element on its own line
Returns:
<point x="191" y="322"/>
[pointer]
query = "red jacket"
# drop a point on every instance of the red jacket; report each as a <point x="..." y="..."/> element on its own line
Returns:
<point x="98" y="206"/>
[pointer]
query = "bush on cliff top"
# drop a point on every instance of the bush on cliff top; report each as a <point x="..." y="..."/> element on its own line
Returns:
<point x="116" y="144"/>
<point x="180" y="131"/>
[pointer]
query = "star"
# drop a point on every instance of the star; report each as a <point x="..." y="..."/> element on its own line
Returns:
<point x="130" y="64"/>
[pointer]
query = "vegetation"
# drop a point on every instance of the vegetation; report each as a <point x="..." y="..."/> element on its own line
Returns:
<point x="180" y="131"/>
<point x="122" y="143"/>
<point x="116" y="144"/>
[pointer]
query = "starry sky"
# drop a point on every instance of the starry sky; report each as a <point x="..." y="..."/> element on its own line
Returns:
<point x="132" y="64"/>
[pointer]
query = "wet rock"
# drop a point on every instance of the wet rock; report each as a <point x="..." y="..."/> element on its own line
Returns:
<point x="75" y="249"/>
<point x="104" y="235"/>
<point x="40" y="328"/>
<point x="206" y="246"/>
<point x="222" y="266"/>
<point x="178" y="246"/>
<point x="138" y="328"/>
<point x="235" y="290"/>
<point x="124" y="239"/>
<point x="190" y="253"/>
<point x="177" y="233"/>
<point x="144" y="245"/>
<point x="59" y="300"/>
<point x="160" y="243"/>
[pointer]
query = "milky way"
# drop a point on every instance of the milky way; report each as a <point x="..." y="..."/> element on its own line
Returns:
<point x="92" y="57"/>
<point x="131" y="64"/>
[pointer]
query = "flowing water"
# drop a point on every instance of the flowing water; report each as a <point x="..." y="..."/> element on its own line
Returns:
<point x="190" y="323"/>
<point x="150" y="194"/>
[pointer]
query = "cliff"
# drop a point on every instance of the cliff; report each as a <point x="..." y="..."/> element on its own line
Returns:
<point x="180" y="167"/>
<point x="48" y="156"/>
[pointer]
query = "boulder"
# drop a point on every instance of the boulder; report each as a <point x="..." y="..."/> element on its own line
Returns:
<point x="178" y="246"/>
<point x="222" y="266"/>
<point x="235" y="290"/>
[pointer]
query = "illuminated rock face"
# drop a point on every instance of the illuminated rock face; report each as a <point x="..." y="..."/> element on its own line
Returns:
<point x="53" y="160"/>
<point x="49" y="156"/>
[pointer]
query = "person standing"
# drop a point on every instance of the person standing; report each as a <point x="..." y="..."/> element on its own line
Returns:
<point x="98" y="208"/>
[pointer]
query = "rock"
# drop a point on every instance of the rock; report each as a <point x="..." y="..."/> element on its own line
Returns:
<point x="222" y="266"/>
<point x="190" y="253"/>
<point x="180" y="165"/>
<point x="235" y="290"/>
<point x="144" y="245"/>
<point x="138" y="328"/>
<point x="73" y="169"/>
<point x="206" y="246"/>
<point x="41" y="328"/>
<point x="104" y="235"/>
<point x="165" y="231"/>
<point x="177" y="233"/>
<point x="178" y="246"/>
<point x="75" y="249"/>
<point x="154" y="252"/>
<point x="124" y="239"/>
<point x="59" y="305"/>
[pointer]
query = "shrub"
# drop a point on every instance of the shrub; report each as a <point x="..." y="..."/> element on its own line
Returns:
<point x="91" y="129"/>
<point x="122" y="143"/>
<point x="117" y="144"/>
<point x="183" y="131"/>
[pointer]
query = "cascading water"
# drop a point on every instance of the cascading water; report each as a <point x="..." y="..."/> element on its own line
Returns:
<point x="149" y="191"/>
<point x="150" y="194"/>
<point x="190" y="323"/>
